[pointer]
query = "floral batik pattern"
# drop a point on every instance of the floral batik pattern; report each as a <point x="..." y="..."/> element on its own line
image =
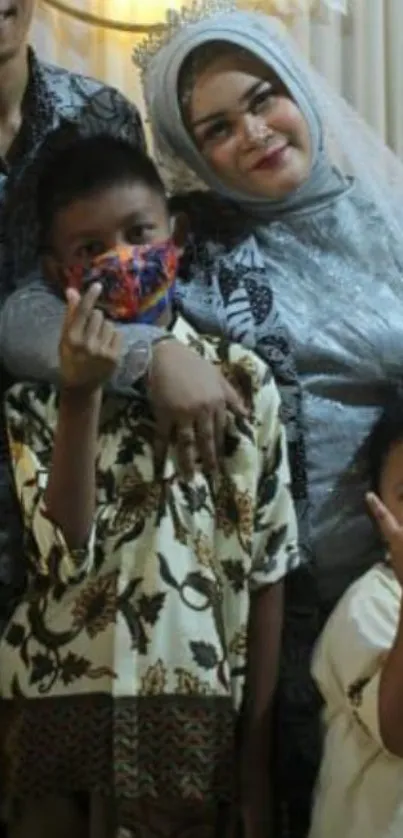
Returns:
<point x="124" y="666"/>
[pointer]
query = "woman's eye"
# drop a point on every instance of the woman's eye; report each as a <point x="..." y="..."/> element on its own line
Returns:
<point x="217" y="131"/>
<point x="262" y="100"/>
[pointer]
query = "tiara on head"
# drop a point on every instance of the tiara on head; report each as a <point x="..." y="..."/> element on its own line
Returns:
<point x="201" y="9"/>
<point x="174" y="21"/>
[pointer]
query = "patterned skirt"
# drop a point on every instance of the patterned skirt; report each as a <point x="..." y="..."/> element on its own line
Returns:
<point x="145" y="758"/>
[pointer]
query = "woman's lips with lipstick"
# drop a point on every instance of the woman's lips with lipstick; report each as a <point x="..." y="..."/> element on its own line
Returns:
<point x="272" y="157"/>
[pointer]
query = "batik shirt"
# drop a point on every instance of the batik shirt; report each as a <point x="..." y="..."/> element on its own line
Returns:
<point x="127" y="658"/>
<point x="54" y="97"/>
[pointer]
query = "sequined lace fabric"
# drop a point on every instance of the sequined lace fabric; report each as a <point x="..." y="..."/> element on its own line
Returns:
<point x="338" y="285"/>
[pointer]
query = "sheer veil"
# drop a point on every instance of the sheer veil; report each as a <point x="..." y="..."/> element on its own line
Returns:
<point x="356" y="148"/>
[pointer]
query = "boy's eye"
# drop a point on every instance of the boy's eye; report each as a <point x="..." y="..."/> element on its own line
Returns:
<point x="140" y="233"/>
<point x="90" y="250"/>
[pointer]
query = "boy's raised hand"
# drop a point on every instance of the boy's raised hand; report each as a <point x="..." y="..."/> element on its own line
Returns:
<point x="90" y="346"/>
<point x="391" y="530"/>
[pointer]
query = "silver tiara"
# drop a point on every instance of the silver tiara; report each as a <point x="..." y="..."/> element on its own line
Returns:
<point x="174" y="21"/>
<point x="201" y="9"/>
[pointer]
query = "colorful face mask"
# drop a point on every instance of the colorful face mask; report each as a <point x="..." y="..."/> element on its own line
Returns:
<point x="137" y="280"/>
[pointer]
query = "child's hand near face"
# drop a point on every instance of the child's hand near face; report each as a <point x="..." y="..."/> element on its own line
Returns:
<point x="391" y="530"/>
<point x="90" y="345"/>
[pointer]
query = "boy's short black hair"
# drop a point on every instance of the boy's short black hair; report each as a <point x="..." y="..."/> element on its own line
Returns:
<point x="387" y="432"/>
<point x="85" y="166"/>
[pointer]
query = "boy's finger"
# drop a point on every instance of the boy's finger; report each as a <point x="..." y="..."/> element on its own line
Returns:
<point x="388" y="525"/>
<point x="73" y="301"/>
<point x="83" y="311"/>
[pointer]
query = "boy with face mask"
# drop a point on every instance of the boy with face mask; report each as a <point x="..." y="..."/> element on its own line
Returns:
<point x="153" y="610"/>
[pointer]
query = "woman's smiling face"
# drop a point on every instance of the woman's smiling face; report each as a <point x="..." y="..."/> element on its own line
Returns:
<point x="247" y="127"/>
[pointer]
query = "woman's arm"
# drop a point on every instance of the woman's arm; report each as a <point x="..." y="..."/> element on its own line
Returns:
<point x="31" y="321"/>
<point x="187" y="394"/>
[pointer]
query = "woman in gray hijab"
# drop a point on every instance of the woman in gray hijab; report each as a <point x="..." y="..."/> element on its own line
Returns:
<point x="230" y="97"/>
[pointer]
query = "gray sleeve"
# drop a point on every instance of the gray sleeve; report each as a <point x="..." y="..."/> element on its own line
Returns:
<point x="30" y="325"/>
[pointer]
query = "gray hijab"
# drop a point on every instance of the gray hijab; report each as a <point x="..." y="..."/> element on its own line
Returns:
<point x="259" y="35"/>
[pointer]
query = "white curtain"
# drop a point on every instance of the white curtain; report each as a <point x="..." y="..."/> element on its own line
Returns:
<point x="360" y="53"/>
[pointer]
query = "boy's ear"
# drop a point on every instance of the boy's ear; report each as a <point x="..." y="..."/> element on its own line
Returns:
<point x="180" y="225"/>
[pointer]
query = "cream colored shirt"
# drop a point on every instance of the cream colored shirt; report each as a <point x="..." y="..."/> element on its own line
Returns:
<point x="360" y="788"/>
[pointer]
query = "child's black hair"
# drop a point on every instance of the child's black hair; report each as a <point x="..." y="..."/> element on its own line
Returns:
<point x="85" y="166"/>
<point x="387" y="432"/>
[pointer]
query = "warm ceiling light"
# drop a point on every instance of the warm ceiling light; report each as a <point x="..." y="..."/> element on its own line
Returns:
<point x="106" y="21"/>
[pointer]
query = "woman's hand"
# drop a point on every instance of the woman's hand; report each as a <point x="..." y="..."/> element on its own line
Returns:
<point x="391" y="530"/>
<point x="190" y="398"/>
<point x="90" y="346"/>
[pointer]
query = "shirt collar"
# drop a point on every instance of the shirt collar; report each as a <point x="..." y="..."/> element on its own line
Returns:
<point x="39" y="106"/>
<point x="39" y="113"/>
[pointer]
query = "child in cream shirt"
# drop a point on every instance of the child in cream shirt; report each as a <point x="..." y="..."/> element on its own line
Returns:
<point x="358" y="667"/>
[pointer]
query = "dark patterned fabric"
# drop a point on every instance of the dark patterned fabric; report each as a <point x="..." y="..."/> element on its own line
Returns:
<point x="166" y="736"/>
<point x="54" y="97"/>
